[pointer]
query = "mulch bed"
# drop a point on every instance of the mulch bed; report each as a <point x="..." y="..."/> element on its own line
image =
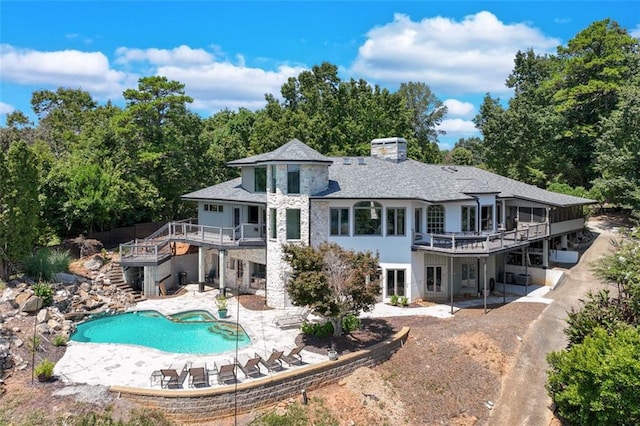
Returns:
<point x="373" y="330"/>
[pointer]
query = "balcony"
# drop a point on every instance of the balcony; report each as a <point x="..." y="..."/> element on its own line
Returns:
<point x="157" y="247"/>
<point x="480" y="243"/>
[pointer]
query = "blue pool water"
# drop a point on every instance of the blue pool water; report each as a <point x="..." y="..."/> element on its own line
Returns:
<point x="194" y="335"/>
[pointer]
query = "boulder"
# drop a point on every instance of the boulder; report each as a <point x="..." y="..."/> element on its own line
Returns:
<point x="43" y="316"/>
<point x="53" y="324"/>
<point x="32" y="304"/>
<point x="8" y="294"/>
<point x="94" y="263"/>
<point x="23" y="297"/>
<point x="65" y="278"/>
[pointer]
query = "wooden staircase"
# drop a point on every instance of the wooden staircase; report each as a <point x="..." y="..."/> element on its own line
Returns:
<point x="116" y="276"/>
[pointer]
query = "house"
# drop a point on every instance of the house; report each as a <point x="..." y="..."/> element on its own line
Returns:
<point x="439" y="230"/>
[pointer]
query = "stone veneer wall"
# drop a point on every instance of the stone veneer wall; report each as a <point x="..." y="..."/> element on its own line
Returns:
<point x="319" y="219"/>
<point x="313" y="179"/>
<point x="201" y="405"/>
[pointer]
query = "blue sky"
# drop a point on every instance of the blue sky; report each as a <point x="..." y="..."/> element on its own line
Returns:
<point x="229" y="54"/>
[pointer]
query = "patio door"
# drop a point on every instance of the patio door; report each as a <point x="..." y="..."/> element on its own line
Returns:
<point x="469" y="277"/>
<point x="236" y="217"/>
<point x="433" y="280"/>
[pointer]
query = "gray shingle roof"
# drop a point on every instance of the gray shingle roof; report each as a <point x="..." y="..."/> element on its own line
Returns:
<point x="374" y="178"/>
<point x="294" y="150"/>
<point x="227" y="191"/>
<point x="411" y="179"/>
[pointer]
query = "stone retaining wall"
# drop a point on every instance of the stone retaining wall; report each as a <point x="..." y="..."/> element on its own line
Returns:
<point x="198" y="405"/>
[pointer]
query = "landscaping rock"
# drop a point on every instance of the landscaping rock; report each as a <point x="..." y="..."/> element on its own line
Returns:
<point x="65" y="278"/>
<point x="43" y="316"/>
<point x="32" y="304"/>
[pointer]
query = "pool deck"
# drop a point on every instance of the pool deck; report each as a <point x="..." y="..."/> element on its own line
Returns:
<point x="132" y="366"/>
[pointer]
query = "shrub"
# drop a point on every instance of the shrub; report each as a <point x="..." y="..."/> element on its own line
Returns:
<point x="351" y="323"/>
<point x="316" y="329"/>
<point x="59" y="340"/>
<point x="404" y="301"/>
<point x="33" y="343"/>
<point x="394" y="299"/>
<point x="45" y="368"/>
<point x="45" y="263"/>
<point x="598" y="381"/>
<point x="44" y="292"/>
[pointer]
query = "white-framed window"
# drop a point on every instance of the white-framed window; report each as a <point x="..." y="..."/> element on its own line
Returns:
<point x="395" y="282"/>
<point x="433" y="282"/>
<point x="218" y="208"/>
<point x="435" y="219"/>
<point x="293" y="179"/>
<point x="339" y="221"/>
<point x="260" y="179"/>
<point x="273" y="179"/>
<point x="486" y="218"/>
<point x="468" y="218"/>
<point x="273" y="220"/>
<point x="396" y="221"/>
<point x="368" y="218"/>
<point x="293" y="224"/>
<point x="417" y="221"/>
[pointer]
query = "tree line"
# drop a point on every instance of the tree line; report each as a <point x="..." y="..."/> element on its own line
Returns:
<point x="571" y="125"/>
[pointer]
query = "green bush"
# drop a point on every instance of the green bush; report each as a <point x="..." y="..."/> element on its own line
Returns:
<point x="59" y="340"/>
<point x="598" y="381"/>
<point x="404" y="301"/>
<point x="46" y="263"/>
<point x="43" y="291"/>
<point x="350" y="323"/>
<point x="45" y="368"/>
<point x="394" y="299"/>
<point x="316" y="329"/>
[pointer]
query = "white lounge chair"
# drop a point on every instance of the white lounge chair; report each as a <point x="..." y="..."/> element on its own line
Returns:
<point x="294" y="319"/>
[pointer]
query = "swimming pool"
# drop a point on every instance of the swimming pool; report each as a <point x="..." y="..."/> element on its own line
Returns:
<point x="191" y="332"/>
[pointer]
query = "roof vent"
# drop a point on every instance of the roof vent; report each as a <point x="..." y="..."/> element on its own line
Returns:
<point x="346" y="161"/>
<point x="450" y="169"/>
<point x="361" y="161"/>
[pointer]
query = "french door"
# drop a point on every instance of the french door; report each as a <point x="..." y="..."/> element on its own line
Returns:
<point x="433" y="281"/>
<point x="469" y="277"/>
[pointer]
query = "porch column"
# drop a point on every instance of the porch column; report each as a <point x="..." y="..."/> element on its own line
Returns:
<point x="201" y="266"/>
<point x="564" y="242"/>
<point x="222" y="268"/>
<point x="545" y="254"/>
<point x="526" y="271"/>
<point x="451" y="284"/>
<point x="504" y="278"/>
<point x="484" y="262"/>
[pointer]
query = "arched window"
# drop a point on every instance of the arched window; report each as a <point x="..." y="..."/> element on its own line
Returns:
<point x="368" y="218"/>
<point x="435" y="219"/>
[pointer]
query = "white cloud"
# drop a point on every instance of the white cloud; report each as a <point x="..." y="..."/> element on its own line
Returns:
<point x="224" y="85"/>
<point x="66" y="68"/>
<point x="473" y="55"/>
<point x="6" y="108"/>
<point x="459" y="109"/>
<point x="636" y="31"/>
<point x="181" y="55"/>
<point x="457" y="127"/>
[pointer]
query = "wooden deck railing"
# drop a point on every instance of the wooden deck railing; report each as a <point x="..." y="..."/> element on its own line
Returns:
<point x="158" y="245"/>
<point x="477" y="242"/>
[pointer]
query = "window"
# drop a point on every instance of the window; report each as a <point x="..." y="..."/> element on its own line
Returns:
<point x="417" y="223"/>
<point x="368" y="215"/>
<point x="273" y="218"/>
<point x="293" y="179"/>
<point x="395" y="221"/>
<point x="260" y="179"/>
<point x="395" y="282"/>
<point x="254" y="212"/>
<point x="486" y="218"/>
<point x="293" y="224"/>
<point x="435" y="219"/>
<point x="434" y="279"/>
<point x="339" y="221"/>
<point x="468" y="219"/>
<point x="213" y="208"/>
<point x="273" y="179"/>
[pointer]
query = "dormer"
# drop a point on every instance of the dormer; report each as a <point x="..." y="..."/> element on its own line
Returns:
<point x="294" y="168"/>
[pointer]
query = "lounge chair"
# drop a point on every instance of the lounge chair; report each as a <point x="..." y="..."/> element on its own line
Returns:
<point x="293" y="320"/>
<point x="251" y="368"/>
<point x="171" y="379"/>
<point x="293" y="357"/>
<point x="273" y="362"/>
<point x="198" y="377"/>
<point x="226" y="373"/>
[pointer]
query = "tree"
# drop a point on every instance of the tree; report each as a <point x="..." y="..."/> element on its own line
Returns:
<point x="426" y="112"/>
<point x="333" y="281"/>
<point x="598" y="380"/>
<point x="19" y="204"/>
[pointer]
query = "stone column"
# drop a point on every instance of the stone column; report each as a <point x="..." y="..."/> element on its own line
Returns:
<point x="201" y="265"/>
<point x="222" y="268"/>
